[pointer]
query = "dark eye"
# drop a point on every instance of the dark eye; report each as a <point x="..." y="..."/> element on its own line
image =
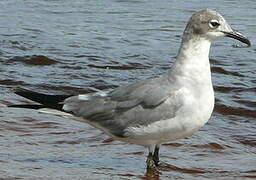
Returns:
<point x="214" y="24"/>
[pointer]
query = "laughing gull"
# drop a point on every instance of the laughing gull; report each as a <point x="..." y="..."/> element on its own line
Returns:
<point x="150" y="112"/>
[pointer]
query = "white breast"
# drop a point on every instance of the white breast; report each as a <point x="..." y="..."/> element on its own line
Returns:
<point x="190" y="117"/>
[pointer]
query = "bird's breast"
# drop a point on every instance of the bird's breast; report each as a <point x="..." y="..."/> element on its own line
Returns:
<point x="200" y="106"/>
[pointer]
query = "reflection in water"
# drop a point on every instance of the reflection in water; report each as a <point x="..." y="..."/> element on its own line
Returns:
<point x="151" y="175"/>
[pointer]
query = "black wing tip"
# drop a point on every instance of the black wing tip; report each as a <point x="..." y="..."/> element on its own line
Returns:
<point x="27" y="106"/>
<point x="45" y="100"/>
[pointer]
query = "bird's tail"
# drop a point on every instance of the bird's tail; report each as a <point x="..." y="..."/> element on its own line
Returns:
<point x="44" y="100"/>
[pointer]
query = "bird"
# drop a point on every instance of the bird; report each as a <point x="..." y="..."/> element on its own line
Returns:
<point x="157" y="110"/>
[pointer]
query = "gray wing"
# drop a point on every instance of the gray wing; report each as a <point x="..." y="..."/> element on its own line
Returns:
<point x="138" y="104"/>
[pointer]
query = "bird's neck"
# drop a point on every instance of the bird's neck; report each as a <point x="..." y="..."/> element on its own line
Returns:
<point x="194" y="50"/>
<point x="192" y="62"/>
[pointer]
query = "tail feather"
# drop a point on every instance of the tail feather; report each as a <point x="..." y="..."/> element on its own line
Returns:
<point x="45" y="100"/>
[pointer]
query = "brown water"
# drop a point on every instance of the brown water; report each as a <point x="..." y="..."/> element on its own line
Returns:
<point x="70" y="47"/>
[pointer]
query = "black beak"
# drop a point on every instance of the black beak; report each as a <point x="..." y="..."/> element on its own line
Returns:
<point x="238" y="36"/>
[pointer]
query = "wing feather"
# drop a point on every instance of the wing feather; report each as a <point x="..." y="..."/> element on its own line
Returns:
<point x="138" y="104"/>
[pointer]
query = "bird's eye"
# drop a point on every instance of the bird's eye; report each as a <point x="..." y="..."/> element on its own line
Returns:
<point x="214" y="24"/>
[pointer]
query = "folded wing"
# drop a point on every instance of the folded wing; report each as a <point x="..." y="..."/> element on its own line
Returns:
<point x="138" y="104"/>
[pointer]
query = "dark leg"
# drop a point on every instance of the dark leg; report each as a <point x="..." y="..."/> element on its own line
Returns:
<point x="156" y="155"/>
<point x="150" y="160"/>
<point x="157" y="162"/>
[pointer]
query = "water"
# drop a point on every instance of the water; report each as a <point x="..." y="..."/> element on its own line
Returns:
<point x="69" y="47"/>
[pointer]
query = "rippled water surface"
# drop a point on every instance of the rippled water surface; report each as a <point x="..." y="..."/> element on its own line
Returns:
<point x="70" y="47"/>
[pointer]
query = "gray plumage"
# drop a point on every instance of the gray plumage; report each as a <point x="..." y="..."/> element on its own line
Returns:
<point x="138" y="104"/>
<point x="169" y="107"/>
<point x="184" y="89"/>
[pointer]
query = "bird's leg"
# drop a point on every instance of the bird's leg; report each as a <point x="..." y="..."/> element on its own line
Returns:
<point x="156" y="158"/>
<point x="156" y="154"/>
<point x="150" y="159"/>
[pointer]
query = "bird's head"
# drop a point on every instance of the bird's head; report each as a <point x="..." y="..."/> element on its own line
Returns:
<point x="211" y="25"/>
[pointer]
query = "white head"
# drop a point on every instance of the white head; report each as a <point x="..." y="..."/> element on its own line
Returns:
<point x="211" y="25"/>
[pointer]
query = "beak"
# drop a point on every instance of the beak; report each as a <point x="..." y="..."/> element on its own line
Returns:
<point x="238" y="36"/>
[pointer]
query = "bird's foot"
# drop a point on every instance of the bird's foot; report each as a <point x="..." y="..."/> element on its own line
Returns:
<point x="156" y="161"/>
<point x="151" y="163"/>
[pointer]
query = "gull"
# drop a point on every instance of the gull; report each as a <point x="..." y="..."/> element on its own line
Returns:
<point x="150" y="112"/>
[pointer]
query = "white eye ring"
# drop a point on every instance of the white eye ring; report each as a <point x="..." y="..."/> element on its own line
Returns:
<point x="214" y="24"/>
